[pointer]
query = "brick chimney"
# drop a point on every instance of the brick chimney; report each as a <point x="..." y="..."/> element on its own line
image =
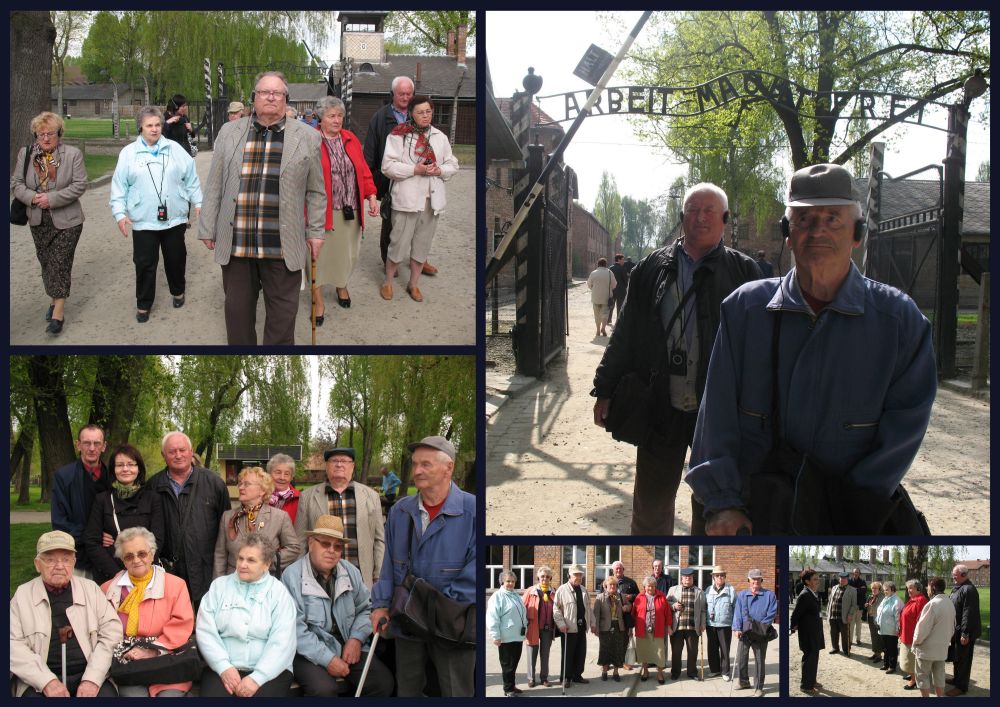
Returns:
<point x="885" y="556"/>
<point x="872" y="556"/>
<point x="463" y="32"/>
<point x="451" y="42"/>
<point x="416" y="77"/>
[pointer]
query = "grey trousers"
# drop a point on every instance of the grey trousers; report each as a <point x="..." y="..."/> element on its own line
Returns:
<point x="545" y="638"/>
<point x="243" y="279"/>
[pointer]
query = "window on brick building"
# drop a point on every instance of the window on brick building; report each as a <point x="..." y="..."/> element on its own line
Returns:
<point x="572" y="555"/>
<point x="494" y="565"/>
<point x="522" y="563"/>
<point x="604" y="556"/>
<point x="702" y="558"/>
<point x="670" y="555"/>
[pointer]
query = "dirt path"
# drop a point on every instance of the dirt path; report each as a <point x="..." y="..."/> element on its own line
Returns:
<point x="545" y="455"/>
<point x="101" y="309"/>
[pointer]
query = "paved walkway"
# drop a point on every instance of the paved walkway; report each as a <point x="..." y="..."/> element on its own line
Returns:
<point x="30" y="517"/>
<point x="630" y="686"/>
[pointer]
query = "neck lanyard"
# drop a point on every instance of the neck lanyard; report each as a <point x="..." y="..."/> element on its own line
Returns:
<point x="163" y="170"/>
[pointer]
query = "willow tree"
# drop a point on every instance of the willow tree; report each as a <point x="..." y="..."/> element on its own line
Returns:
<point x="926" y="55"/>
<point x="426" y="31"/>
<point x="209" y="398"/>
<point x="608" y="207"/>
<point x="276" y="408"/>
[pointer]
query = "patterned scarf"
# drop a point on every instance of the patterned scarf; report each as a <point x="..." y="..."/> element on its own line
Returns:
<point x="130" y="605"/>
<point x="125" y="490"/>
<point x="280" y="498"/>
<point x="422" y="149"/>
<point x="243" y="512"/>
<point x="650" y="614"/>
<point x="45" y="167"/>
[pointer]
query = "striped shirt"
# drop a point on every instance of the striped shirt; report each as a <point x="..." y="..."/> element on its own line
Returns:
<point x="256" y="228"/>
<point x="344" y="506"/>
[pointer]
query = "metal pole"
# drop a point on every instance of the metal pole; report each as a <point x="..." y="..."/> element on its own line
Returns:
<point x="981" y="357"/>
<point x="493" y="267"/>
<point x="114" y="108"/>
<point x="207" y="72"/>
<point x="949" y="252"/>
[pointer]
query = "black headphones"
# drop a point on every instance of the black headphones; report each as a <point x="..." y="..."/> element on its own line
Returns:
<point x="725" y="217"/>
<point x="860" y="226"/>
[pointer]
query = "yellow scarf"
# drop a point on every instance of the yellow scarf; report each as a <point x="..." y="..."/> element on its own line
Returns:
<point x="545" y="591"/>
<point x="131" y="603"/>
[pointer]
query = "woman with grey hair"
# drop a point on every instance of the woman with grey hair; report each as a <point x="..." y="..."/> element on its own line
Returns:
<point x="887" y="617"/>
<point x="154" y="607"/>
<point x="152" y="189"/>
<point x="349" y="185"/>
<point x="281" y="467"/>
<point x="609" y="627"/>
<point x="507" y="624"/>
<point x="908" y="618"/>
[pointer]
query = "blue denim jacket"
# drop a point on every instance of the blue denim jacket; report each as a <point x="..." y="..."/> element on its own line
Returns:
<point x="719" y="603"/>
<point x="444" y="555"/>
<point x="855" y="383"/>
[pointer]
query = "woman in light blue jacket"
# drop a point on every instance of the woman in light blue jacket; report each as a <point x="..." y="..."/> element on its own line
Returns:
<point x="887" y="618"/>
<point x="153" y="187"/>
<point x="246" y="628"/>
<point x="507" y="624"/>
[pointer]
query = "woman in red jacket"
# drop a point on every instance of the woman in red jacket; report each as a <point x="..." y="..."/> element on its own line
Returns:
<point x="281" y="467"/>
<point x="349" y="185"/>
<point x="541" y="630"/>
<point x="907" y="623"/>
<point x="653" y="619"/>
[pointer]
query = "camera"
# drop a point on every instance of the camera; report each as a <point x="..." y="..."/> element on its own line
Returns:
<point x="348" y="212"/>
<point x="161" y="212"/>
<point x="428" y="161"/>
<point x="524" y="630"/>
<point x="677" y="364"/>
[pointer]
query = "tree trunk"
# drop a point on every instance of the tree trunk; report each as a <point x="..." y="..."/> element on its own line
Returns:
<point x="916" y="563"/>
<point x="32" y="36"/>
<point x="115" y="396"/>
<point x="20" y="463"/>
<point x="54" y="434"/>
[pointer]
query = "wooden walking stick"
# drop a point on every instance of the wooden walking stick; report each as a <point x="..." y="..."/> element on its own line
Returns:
<point x="312" y="302"/>
<point x="702" y="642"/>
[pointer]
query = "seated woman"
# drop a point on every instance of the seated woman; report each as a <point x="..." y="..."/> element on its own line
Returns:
<point x="281" y="467"/>
<point x="653" y="619"/>
<point x="255" y="517"/>
<point x="128" y="504"/>
<point x="151" y="604"/>
<point x="246" y="628"/>
<point x="609" y="627"/>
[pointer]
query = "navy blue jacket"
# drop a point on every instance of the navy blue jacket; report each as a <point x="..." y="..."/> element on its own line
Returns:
<point x="73" y="493"/>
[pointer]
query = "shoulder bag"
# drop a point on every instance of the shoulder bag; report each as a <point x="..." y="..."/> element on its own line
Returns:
<point x="182" y="664"/>
<point x="18" y="211"/>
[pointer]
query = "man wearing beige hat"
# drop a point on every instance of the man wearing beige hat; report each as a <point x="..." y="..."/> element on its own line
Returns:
<point x="234" y="111"/>
<point x="819" y="389"/>
<point x="62" y="628"/>
<point x="356" y="504"/>
<point x="573" y="614"/>
<point x="720" y="600"/>
<point x="431" y="535"/>
<point x="332" y="617"/>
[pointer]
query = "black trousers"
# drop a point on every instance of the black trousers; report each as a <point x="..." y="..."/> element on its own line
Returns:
<point x="890" y="651"/>
<point x="759" y="649"/>
<point x="658" y="469"/>
<point x="385" y="211"/>
<point x="510" y="656"/>
<point x="963" y="664"/>
<point x="146" y="247"/>
<point x="840" y="633"/>
<point x="317" y="682"/>
<point x="719" y="639"/>
<point x="574" y="654"/>
<point x="211" y="685"/>
<point x="810" y="664"/>
<point x="876" y="636"/>
<point x="688" y="639"/>
<point x="242" y="280"/>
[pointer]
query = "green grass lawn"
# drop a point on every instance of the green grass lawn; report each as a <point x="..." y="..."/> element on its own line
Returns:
<point x="23" y="537"/>
<point x="465" y="154"/>
<point x="99" y="165"/>
<point x="85" y="128"/>
<point x="34" y="493"/>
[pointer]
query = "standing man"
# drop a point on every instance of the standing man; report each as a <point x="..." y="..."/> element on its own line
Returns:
<point x="968" y="628"/>
<point x="573" y="614"/>
<point x="755" y="610"/>
<point x="861" y="588"/>
<point x="860" y="421"/>
<point x="843" y="607"/>
<point x="766" y="269"/>
<point x="264" y="183"/>
<point x="383" y="121"/>
<point x="74" y="488"/>
<point x="234" y="111"/>
<point x="688" y="603"/>
<point x="720" y="601"/>
<point x="673" y="316"/>
<point x="621" y="286"/>
<point x="390" y="483"/>
<point x="431" y="535"/>
<point x="628" y="590"/>
<point x="601" y="283"/>
<point x="807" y="621"/>
<point x="192" y="500"/>
<point x="358" y="507"/>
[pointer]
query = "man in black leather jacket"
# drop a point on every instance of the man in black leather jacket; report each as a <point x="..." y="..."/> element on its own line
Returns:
<point x="669" y="327"/>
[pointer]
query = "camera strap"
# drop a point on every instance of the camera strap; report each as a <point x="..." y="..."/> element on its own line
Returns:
<point x="163" y="171"/>
<point x="677" y="312"/>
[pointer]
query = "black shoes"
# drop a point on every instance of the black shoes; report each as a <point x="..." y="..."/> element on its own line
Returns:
<point x="178" y="302"/>
<point x="344" y="302"/>
<point x="48" y="314"/>
<point x="142" y="317"/>
<point x="55" y="326"/>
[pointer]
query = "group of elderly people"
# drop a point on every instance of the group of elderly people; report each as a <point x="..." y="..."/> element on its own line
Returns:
<point x="280" y="606"/>
<point x="679" y="616"/>
<point x="155" y="191"/>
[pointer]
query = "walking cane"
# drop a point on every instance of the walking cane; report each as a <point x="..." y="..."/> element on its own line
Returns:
<point x="312" y="302"/>
<point x="65" y="633"/>
<point x="371" y="651"/>
<point x="732" y="673"/>
<point x="565" y="650"/>
<point x="702" y="643"/>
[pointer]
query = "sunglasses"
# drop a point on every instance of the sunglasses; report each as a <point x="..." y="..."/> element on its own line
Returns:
<point x="142" y="556"/>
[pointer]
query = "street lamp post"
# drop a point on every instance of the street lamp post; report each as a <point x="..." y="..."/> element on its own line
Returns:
<point x="114" y="102"/>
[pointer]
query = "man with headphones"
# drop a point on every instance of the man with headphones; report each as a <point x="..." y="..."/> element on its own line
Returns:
<point x="263" y="213"/>
<point x="823" y="367"/>
<point x="664" y="337"/>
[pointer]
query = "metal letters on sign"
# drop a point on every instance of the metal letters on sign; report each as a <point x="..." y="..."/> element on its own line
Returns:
<point x="752" y="85"/>
<point x="592" y="66"/>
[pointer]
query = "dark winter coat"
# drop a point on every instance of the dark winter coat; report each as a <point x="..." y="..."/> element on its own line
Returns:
<point x="73" y="492"/>
<point x="178" y="131"/>
<point x="140" y="510"/>
<point x="806" y="620"/>
<point x="965" y="597"/>
<point x="379" y="128"/>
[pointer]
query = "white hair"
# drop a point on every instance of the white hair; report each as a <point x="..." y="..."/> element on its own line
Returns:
<point x="706" y="187"/>
<point x="168" y="435"/>
<point x="399" y="79"/>
<point x="130" y="534"/>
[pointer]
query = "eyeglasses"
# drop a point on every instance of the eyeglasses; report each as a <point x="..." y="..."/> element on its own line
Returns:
<point x="341" y="462"/>
<point x="428" y="111"/>
<point x="126" y="465"/>
<point x="60" y="560"/>
<point x="331" y="545"/>
<point x="270" y="94"/>
<point x="142" y="556"/>
<point x="46" y="136"/>
<point x="246" y="483"/>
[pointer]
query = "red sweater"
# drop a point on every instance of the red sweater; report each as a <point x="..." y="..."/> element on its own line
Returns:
<point x="909" y="616"/>
<point x="664" y="616"/>
<point x="366" y="185"/>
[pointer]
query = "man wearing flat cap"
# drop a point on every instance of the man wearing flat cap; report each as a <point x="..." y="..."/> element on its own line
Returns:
<point x="62" y="628"/>
<point x="690" y="614"/>
<point x="357" y="506"/>
<point x="841" y="610"/>
<point x="573" y="614"/>
<point x="755" y="610"/>
<point x="819" y="388"/>
<point x="431" y="535"/>
<point x="333" y="626"/>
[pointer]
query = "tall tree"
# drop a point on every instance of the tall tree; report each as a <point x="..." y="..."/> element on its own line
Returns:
<point x="70" y="26"/>
<point x="426" y="31"/>
<point x="639" y="220"/>
<point x="55" y="438"/>
<point x="32" y="36"/>
<point x="916" y="563"/>
<point x="115" y="395"/>
<point x="608" y="206"/>
<point x="983" y="175"/>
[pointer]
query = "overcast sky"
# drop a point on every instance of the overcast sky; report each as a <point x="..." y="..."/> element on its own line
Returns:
<point x="554" y="42"/>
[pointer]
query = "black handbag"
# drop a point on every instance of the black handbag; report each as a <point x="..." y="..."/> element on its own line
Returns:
<point x="421" y="611"/>
<point x="18" y="211"/>
<point x="182" y="664"/>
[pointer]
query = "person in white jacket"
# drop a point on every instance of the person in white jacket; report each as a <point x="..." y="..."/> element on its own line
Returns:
<point x="418" y="160"/>
<point x="931" y="639"/>
<point x="602" y="285"/>
<point x="573" y="614"/>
